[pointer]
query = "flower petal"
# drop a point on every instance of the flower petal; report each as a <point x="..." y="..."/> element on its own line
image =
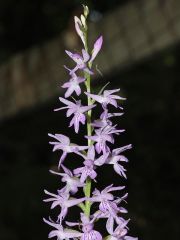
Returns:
<point x="73" y="202"/>
<point x="91" y="153"/>
<point x="97" y="98"/>
<point x="78" y="26"/>
<point x="53" y="233"/>
<point x="120" y="170"/>
<point x="130" y="238"/>
<point x="61" y="138"/>
<point x="66" y="102"/>
<point x="115" y="188"/>
<point x="55" y="225"/>
<point x="75" y="57"/>
<point x="110" y="224"/>
<point x="69" y="91"/>
<point x="121" y="149"/>
<point x="85" y="55"/>
<point x="97" y="48"/>
<point x="70" y="233"/>
<point x="101" y="160"/>
<point x="109" y="92"/>
<point x="87" y="108"/>
<point x="77" y="89"/>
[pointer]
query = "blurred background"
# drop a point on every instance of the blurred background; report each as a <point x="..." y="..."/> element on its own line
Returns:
<point x="141" y="55"/>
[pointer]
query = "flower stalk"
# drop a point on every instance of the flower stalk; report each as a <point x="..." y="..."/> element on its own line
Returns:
<point x="87" y="189"/>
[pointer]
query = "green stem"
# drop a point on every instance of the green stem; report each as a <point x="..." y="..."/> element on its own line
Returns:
<point x="87" y="189"/>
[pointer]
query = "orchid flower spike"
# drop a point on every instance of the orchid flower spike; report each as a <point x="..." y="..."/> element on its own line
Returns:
<point x="80" y="179"/>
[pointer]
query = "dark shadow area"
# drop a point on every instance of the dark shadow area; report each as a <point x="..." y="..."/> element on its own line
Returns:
<point x="24" y="24"/>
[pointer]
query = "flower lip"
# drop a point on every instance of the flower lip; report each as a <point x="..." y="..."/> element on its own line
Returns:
<point x="88" y="162"/>
<point x="88" y="227"/>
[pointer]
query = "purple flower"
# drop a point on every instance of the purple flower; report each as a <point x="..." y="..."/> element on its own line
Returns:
<point x="87" y="228"/>
<point x="89" y="165"/>
<point x="102" y="136"/>
<point x="114" y="158"/>
<point x="72" y="183"/>
<point x="106" y="98"/>
<point x="105" y="119"/>
<point x="60" y="233"/>
<point x="73" y="85"/>
<point x="120" y="232"/>
<point x="81" y="61"/>
<point x="86" y="171"/>
<point x="88" y="232"/>
<point x="78" y="110"/>
<point x="65" y="145"/>
<point x="62" y="199"/>
<point x="108" y="206"/>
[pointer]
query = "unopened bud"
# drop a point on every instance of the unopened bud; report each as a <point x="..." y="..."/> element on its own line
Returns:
<point x="86" y="11"/>
<point x="83" y="20"/>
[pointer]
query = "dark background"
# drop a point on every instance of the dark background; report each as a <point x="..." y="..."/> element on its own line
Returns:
<point x="151" y="120"/>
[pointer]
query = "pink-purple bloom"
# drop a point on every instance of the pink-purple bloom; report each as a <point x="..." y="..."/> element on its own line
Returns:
<point x="63" y="143"/>
<point x="106" y="98"/>
<point x="88" y="170"/>
<point x="97" y="152"/>
<point x="108" y="204"/>
<point x="78" y="110"/>
<point x="120" y="232"/>
<point x="62" y="199"/>
<point x="80" y="60"/>
<point x="60" y="232"/>
<point x="104" y="119"/>
<point x="114" y="158"/>
<point x="102" y="136"/>
<point x="87" y="226"/>
<point x="73" y="85"/>
<point x="72" y="182"/>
